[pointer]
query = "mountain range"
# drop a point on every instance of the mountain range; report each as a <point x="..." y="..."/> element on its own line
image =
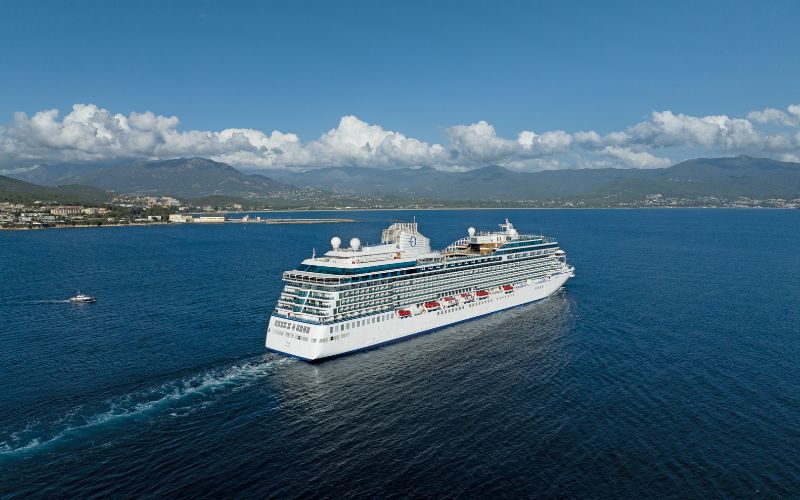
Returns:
<point x="183" y="177"/>
<point x="730" y="178"/>
<point x="742" y="176"/>
<point x="17" y="191"/>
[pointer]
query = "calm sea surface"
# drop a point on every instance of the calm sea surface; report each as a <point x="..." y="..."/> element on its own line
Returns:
<point x="670" y="366"/>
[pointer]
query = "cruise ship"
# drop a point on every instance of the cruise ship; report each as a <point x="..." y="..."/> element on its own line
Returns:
<point x="358" y="297"/>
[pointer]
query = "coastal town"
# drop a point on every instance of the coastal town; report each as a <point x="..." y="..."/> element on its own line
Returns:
<point x="131" y="211"/>
<point x="42" y="214"/>
<point x="126" y="210"/>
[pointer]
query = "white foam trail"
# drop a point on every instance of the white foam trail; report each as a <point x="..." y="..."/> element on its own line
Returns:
<point x="238" y="376"/>
<point x="35" y="302"/>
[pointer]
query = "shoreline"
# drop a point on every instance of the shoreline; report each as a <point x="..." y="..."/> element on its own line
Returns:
<point x="482" y="208"/>
<point x="84" y="226"/>
<point x="331" y="221"/>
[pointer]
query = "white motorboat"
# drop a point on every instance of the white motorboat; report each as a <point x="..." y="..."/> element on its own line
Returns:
<point x="82" y="298"/>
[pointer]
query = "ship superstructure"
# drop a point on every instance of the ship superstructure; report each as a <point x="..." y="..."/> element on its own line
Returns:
<point x="357" y="297"/>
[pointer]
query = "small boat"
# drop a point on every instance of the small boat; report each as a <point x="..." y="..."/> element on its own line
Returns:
<point x="508" y="288"/>
<point x="482" y="294"/>
<point x="432" y="306"/>
<point x="466" y="297"/>
<point x="82" y="298"/>
<point x="404" y="313"/>
<point x="450" y="302"/>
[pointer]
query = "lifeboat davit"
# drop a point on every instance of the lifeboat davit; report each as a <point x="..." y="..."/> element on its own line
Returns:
<point x="508" y="288"/>
<point x="404" y="313"/>
<point x="432" y="306"/>
<point x="482" y="294"/>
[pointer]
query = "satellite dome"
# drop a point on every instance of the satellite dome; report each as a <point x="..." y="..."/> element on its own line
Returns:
<point x="336" y="242"/>
<point x="355" y="244"/>
<point x="471" y="231"/>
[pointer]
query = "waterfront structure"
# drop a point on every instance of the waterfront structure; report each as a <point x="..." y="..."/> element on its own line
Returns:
<point x="66" y="210"/>
<point x="359" y="297"/>
<point x="180" y="218"/>
<point x="214" y="219"/>
<point x="164" y="201"/>
<point x="94" y="211"/>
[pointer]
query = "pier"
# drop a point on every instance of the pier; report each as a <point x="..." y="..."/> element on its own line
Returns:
<point x="221" y="219"/>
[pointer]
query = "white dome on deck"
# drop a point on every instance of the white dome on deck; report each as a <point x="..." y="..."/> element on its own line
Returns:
<point x="355" y="244"/>
<point x="471" y="231"/>
<point x="336" y="242"/>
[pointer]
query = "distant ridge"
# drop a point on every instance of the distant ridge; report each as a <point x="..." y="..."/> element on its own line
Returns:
<point x="183" y="177"/>
<point x="18" y="191"/>
<point x="194" y="178"/>
<point x="742" y="176"/>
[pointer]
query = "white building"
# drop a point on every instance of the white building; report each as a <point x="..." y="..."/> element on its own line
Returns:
<point x="211" y="219"/>
<point x="180" y="218"/>
<point x="66" y="210"/>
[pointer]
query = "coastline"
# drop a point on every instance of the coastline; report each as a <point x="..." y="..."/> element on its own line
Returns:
<point x="483" y="208"/>
<point x="84" y="226"/>
<point x="340" y="221"/>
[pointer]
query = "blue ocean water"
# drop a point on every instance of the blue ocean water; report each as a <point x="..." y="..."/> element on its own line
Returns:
<point x="668" y="367"/>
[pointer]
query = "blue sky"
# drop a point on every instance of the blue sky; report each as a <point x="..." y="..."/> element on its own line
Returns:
<point x="414" y="68"/>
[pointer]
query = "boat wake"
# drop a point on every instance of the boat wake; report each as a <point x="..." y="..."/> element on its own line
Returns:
<point x="174" y="398"/>
<point x="44" y="301"/>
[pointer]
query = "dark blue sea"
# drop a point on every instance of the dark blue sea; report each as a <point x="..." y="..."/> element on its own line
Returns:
<point x="668" y="367"/>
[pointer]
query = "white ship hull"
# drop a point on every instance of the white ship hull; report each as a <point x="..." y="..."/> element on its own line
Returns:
<point x="314" y="342"/>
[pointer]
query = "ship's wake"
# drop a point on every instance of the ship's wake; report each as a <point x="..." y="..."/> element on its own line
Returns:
<point x="37" y="302"/>
<point x="174" y="399"/>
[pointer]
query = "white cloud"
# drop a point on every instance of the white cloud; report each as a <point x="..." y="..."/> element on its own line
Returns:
<point x="89" y="133"/>
<point x="790" y="157"/>
<point x="789" y="118"/>
<point x="355" y="142"/>
<point x="768" y="115"/>
<point x="666" y="129"/>
<point x="478" y="143"/>
<point x="640" y="159"/>
<point x="549" y="143"/>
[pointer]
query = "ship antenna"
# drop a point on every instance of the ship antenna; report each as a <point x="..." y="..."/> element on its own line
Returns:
<point x="313" y="253"/>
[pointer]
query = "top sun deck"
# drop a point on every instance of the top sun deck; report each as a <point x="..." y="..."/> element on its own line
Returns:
<point x="402" y="245"/>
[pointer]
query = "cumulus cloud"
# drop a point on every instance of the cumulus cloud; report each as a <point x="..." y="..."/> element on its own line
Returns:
<point x="91" y="133"/>
<point x="355" y="142"/>
<point x="789" y="118"/>
<point x="636" y="159"/>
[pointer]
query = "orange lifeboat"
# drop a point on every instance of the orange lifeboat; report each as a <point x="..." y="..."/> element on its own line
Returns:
<point x="508" y="288"/>
<point x="404" y="313"/>
<point x="450" y="301"/>
<point x="482" y="294"/>
<point x="432" y="306"/>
